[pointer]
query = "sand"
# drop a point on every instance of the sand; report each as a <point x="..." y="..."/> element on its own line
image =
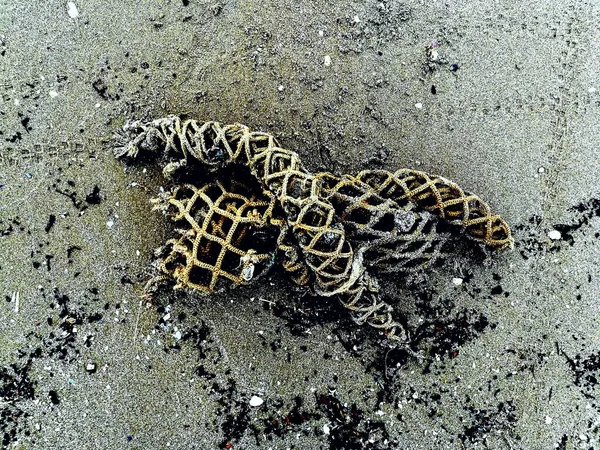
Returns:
<point x="501" y="97"/>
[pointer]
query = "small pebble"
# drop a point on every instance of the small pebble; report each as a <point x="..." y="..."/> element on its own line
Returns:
<point x="326" y="429"/>
<point x="457" y="281"/>
<point x="256" y="401"/>
<point x="53" y="94"/>
<point x="548" y="420"/>
<point x="541" y="170"/>
<point x="177" y="335"/>
<point x="72" y="10"/>
<point x="327" y="60"/>
<point x="110" y="223"/>
<point x="280" y="88"/>
<point x="418" y="105"/>
<point x="554" y="235"/>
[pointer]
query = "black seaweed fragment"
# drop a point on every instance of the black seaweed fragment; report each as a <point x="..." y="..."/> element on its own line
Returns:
<point x="485" y="422"/>
<point x="94" y="198"/>
<point x="50" y="224"/>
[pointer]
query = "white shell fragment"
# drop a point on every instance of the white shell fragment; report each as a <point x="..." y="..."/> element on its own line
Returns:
<point x="457" y="281"/>
<point x="72" y="10"/>
<point x="554" y="235"/>
<point x="327" y="60"/>
<point x="256" y="401"/>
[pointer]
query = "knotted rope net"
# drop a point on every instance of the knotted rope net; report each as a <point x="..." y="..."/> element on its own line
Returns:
<point x="332" y="232"/>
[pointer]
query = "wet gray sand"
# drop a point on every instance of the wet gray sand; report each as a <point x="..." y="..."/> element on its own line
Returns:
<point x="502" y="98"/>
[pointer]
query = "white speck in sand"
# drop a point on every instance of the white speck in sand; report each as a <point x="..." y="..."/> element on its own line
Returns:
<point x="177" y="335"/>
<point x="457" y="281"/>
<point x="326" y="429"/>
<point x="97" y="105"/>
<point x="418" y="105"/>
<point x="110" y="223"/>
<point x="53" y="94"/>
<point x="541" y="170"/>
<point x="166" y="317"/>
<point x="256" y="401"/>
<point x="356" y="19"/>
<point x="90" y="366"/>
<point x="592" y="90"/>
<point x="554" y="235"/>
<point x="321" y="33"/>
<point x="548" y="420"/>
<point x="16" y="102"/>
<point x="72" y="10"/>
<point x="280" y="88"/>
<point x="327" y="60"/>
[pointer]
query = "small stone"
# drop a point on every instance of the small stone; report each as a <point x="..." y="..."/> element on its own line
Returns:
<point x="554" y="235"/>
<point x="548" y="420"/>
<point x="177" y="335"/>
<point x="256" y="401"/>
<point x="72" y="10"/>
<point x="53" y="94"/>
<point x="457" y="281"/>
<point x="110" y="223"/>
<point x="327" y="60"/>
<point x="418" y="105"/>
<point x="280" y="88"/>
<point x="326" y="429"/>
<point x="541" y="170"/>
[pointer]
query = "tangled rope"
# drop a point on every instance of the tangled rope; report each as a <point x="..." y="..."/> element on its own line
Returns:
<point x="332" y="231"/>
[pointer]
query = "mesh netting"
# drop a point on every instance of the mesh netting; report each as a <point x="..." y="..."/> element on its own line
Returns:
<point x="332" y="230"/>
<point x="225" y="235"/>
